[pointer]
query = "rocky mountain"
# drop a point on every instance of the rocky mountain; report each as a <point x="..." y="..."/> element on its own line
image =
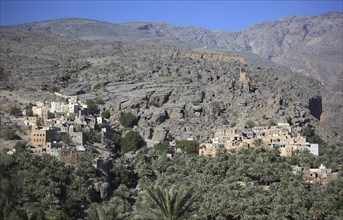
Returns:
<point x="311" y="45"/>
<point x="174" y="85"/>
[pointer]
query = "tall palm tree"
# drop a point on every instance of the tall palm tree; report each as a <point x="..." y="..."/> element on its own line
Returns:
<point x="77" y="189"/>
<point x="167" y="204"/>
<point x="104" y="212"/>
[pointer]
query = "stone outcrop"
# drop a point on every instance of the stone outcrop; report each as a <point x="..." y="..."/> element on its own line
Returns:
<point x="159" y="98"/>
<point x="102" y="188"/>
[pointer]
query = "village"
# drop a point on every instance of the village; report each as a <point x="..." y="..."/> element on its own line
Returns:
<point x="63" y="128"/>
<point x="280" y="135"/>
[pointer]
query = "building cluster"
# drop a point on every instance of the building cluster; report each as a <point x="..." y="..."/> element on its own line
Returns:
<point x="321" y="174"/>
<point x="280" y="135"/>
<point x="59" y="128"/>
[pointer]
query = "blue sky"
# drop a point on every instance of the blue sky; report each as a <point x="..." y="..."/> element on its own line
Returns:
<point x="214" y="15"/>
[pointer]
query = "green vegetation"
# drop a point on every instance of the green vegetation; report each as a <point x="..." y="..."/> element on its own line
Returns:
<point x="54" y="89"/>
<point x="98" y="137"/>
<point x="250" y="183"/>
<point x="188" y="147"/>
<point x="104" y="212"/>
<point x="116" y="138"/>
<point x="40" y="187"/>
<point x="106" y="114"/>
<point x="250" y="124"/>
<point x="311" y="136"/>
<point x="20" y="145"/>
<point x="28" y="109"/>
<point x="92" y="107"/>
<point x="163" y="147"/>
<point x="51" y="115"/>
<point x="9" y="133"/>
<point x="128" y="120"/>
<point x="15" y="111"/>
<point x="65" y="137"/>
<point x="215" y="107"/>
<point x="257" y="142"/>
<point x="99" y="101"/>
<point x="307" y="132"/>
<point x="271" y="123"/>
<point x="230" y="186"/>
<point x="132" y="141"/>
<point x="166" y="204"/>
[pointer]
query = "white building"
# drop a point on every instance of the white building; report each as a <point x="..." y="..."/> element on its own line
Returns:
<point x="290" y="149"/>
<point x="312" y="148"/>
<point x="55" y="107"/>
<point x="99" y="120"/>
<point x="70" y="108"/>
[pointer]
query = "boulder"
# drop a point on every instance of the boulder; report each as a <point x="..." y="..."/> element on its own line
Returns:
<point x="104" y="187"/>
<point x="158" y="117"/>
<point x="160" y="134"/>
<point x="176" y="114"/>
<point x="160" y="97"/>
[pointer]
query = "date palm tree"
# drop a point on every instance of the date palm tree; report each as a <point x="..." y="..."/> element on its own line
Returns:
<point x="167" y="204"/>
<point x="104" y="212"/>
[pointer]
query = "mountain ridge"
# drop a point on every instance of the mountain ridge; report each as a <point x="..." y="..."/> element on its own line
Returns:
<point x="232" y="41"/>
<point x="308" y="45"/>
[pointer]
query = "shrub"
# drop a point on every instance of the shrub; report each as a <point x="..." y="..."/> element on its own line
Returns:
<point x="307" y="132"/>
<point x="250" y="124"/>
<point x="66" y="138"/>
<point x="28" y="109"/>
<point x="15" y="111"/>
<point x="196" y="102"/>
<point x="92" y="107"/>
<point x="271" y="123"/>
<point x="51" y="115"/>
<point x="188" y="147"/>
<point x="128" y="120"/>
<point x="131" y="142"/>
<point x="106" y="114"/>
<point x="215" y="107"/>
<point x="20" y="145"/>
<point x="9" y="133"/>
<point x="312" y="137"/>
<point x="233" y="124"/>
<point x="163" y="147"/>
<point x="116" y="138"/>
<point x="99" y="101"/>
<point x="54" y="89"/>
<point x="316" y="139"/>
<point x="88" y="137"/>
<point x="98" y="138"/>
<point x="257" y="142"/>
